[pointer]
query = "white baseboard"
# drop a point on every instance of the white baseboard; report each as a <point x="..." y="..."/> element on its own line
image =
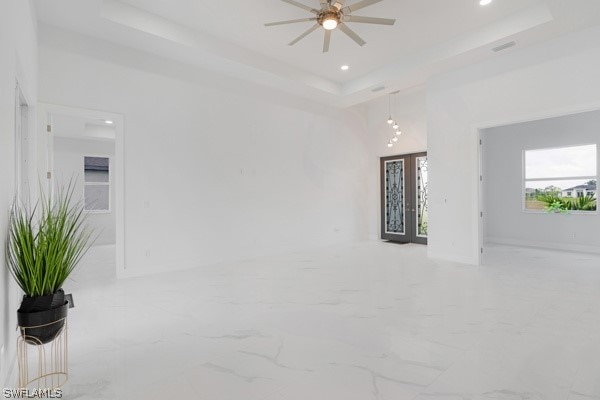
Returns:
<point x="543" y="245"/>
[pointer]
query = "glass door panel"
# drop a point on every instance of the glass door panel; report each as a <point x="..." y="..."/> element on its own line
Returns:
<point x="394" y="200"/>
<point x="395" y="219"/>
<point x="421" y="183"/>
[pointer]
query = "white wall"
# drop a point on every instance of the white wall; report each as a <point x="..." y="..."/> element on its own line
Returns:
<point x="557" y="77"/>
<point x="215" y="170"/>
<point x="68" y="164"/>
<point x="18" y="49"/>
<point x="409" y="111"/>
<point x="504" y="219"/>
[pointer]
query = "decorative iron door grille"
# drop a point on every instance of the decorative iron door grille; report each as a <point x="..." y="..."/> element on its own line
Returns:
<point x="404" y="182"/>
<point x="394" y="197"/>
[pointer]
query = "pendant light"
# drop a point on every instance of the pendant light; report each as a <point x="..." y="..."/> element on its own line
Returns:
<point x="390" y="121"/>
<point x="395" y="126"/>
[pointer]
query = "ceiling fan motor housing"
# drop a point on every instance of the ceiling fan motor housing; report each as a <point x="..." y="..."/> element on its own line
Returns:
<point x="330" y="14"/>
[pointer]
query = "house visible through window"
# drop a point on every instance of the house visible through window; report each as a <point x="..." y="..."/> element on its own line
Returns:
<point x="96" y="184"/>
<point x="561" y="179"/>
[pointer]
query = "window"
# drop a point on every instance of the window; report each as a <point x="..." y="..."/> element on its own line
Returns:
<point x="561" y="179"/>
<point x="96" y="184"/>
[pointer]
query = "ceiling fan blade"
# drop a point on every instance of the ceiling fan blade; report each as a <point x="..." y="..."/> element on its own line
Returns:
<point x="302" y="6"/>
<point x="369" y="20"/>
<point x="292" y="21"/>
<point x="344" y="28"/>
<point x="305" y="34"/>
<point x="327" y="41"/>
<point x="360" y="5"/>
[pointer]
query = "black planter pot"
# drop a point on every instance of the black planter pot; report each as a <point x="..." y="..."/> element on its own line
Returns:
<point x="42" y="318"/>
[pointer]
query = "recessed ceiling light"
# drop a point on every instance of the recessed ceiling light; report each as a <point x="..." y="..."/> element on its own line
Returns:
<point x="108" y="122"/>
<point x="484" y="2"/>
<point x="345" y="67"/>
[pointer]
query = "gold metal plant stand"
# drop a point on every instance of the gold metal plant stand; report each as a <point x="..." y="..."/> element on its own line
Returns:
<point x="50" y="370"/>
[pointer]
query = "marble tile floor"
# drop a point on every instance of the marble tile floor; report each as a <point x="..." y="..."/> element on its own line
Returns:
<point x="356" y="322"/>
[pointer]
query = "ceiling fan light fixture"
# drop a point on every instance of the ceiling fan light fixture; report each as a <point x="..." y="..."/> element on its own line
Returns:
<point x="329" y="19"/>
<point x="330" y="24"/>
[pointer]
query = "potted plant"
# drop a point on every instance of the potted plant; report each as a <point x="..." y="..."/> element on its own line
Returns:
<point x="44" y="244"/>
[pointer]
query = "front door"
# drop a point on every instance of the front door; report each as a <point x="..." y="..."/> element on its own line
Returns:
<point x="404" y="198"/>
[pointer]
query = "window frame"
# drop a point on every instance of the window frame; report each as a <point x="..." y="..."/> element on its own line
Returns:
<point x="524" y="180"/>
<point x="109" y="184"/>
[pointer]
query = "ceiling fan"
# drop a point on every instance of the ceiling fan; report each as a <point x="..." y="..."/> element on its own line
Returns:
<point x="334" y="14"/>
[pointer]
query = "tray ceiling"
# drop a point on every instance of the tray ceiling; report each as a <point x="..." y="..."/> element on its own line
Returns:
<point x="429" y="37"/>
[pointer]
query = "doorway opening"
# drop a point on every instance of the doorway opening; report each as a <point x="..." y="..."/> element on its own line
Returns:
<point x="22" y="150"/>
<point x="85" y="151"/>
<point x="538" y="184"/>
<point x="404" y="211"/>
<point x="19" y="190"/>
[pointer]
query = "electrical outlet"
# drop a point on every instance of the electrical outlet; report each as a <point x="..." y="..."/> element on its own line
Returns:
<point x="147" y="253"/>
